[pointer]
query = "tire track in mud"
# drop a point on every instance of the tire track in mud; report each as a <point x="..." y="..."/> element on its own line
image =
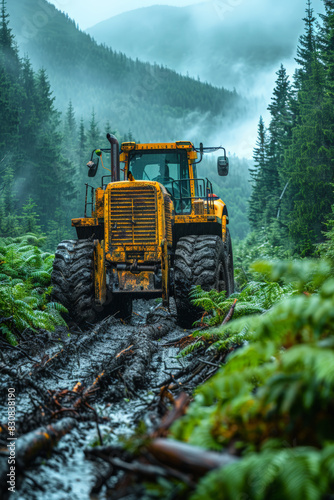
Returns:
<point x="114" y="363"/>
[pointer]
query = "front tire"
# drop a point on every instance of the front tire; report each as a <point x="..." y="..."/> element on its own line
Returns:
<point x="200" y="260"/>
<point x="72" y="279"/>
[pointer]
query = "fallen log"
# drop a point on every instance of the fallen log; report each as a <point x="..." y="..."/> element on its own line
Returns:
<point x="187" y="458"/>
<point x="230" y="313"/>
<point x="43" y="439"/>
<point x="143" y="349"/>
<point x="180" y="406"/>
<point x="142" y="469"/>
<point x="31" y="445"/>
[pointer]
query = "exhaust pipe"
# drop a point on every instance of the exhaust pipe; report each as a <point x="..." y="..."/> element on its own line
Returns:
<point x="115" y="172"/>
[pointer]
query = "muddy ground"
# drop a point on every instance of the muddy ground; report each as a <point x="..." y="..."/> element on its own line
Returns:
<point x="98" y="384"/>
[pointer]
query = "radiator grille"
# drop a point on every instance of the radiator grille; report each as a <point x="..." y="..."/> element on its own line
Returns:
<point x="168" y="215"/>
<point x="133" y="216"/>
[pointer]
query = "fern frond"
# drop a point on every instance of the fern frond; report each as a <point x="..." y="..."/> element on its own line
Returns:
<point x="191" y="348"/>
<point x="58" y="307"/>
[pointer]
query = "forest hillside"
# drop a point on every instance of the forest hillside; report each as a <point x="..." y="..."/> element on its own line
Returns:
<point x="152" y="101"/>
<point x="204" y="39"/>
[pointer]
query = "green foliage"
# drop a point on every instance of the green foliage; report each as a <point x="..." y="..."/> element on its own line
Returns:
<point x="257" y="297"/>
<point x="292" y="180"/>
<point x="234" y="190"/>
<point x="326" y="248"/>
<point x="273" y="400"/>
<point x="291" y="473"/>
<point x="34" y="173"/>
<point x="25" y="274"/>
<point x="257" y="245"/>
<point x="210" y="301"/>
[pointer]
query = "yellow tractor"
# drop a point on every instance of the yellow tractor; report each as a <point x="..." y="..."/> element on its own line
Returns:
<point x="156" y="232"/>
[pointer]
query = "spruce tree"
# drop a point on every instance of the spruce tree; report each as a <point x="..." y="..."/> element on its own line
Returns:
<point x="306" y="47"/>
<point x="9" y="86"/>
<point x="279" y="135"/>
<point x="82" y="144"/>
<point x="94" y="135"/>
<point x="257" y="174"/>
<point x="8" y="49"/>
<point x="70" y="135"/>
<point x="309" y="195"/>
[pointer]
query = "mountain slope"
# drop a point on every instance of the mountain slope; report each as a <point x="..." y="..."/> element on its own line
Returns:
<point x="154" y="102"/>
<point x="227" y="46"/>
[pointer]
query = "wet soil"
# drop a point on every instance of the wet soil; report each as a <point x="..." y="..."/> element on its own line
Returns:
<point x="108" y="378"/>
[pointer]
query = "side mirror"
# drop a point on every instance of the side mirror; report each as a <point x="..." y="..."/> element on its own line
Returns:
<point x="92" y="166"/>
<point x="222" y="166"/>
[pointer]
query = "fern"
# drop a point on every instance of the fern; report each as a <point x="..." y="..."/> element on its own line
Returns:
<point x="25" y="273"/>
<point x="191" y="348"/>
<point x="273" y="399"/>
<point x="256" y="298"/>
<point x="57" y="307"/>
<point x="289" y="473"/>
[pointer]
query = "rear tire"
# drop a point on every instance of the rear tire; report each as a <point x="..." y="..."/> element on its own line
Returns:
<point x="200" y="260"/>
<point x="72" y="279"/>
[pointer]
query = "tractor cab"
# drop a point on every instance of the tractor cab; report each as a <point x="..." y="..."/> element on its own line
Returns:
<point x="169" y="168"/>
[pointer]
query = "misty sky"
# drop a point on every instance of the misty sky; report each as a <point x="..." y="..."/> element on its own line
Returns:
<point x="87" y="12"/>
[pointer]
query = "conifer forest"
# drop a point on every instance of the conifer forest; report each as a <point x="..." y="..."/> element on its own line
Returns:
<point x="201" y="366"/>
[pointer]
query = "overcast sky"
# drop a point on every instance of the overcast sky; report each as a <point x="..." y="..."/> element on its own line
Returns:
<point x="87" y="12"/>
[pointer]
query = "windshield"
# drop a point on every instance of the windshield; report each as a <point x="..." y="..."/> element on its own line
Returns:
<point x="170" y="168"/>
<point x="161" y="166"/>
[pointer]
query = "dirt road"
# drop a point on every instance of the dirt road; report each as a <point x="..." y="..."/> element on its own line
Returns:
<point x="96" y="386"/>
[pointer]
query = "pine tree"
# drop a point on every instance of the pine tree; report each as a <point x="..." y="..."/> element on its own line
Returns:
<point x="8" y="50"/>
<point x="9" y="113"/>
<point x="29" y="123"/>
<point x="306" y="47"/>
<point x="51" y="183"/>
<point x="30" y="218"/>
<point x="259" y="189"/>
<point x="70" y="119"/>
<point x="70" y="135"/>
<point x="94" y="135"/>
<point x="9" y="224"/>
<point x="309" y="195"/>
<point x="279" y="135"/>
<point x="82" y="144"/>
<point x="9" y="88"/>
<point x="46" y="99"/>
<point x="326" y="43"/>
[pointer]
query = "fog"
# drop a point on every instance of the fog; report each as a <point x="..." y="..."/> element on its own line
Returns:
<point x="235" y="44"/>
<point x="87" y="13"/>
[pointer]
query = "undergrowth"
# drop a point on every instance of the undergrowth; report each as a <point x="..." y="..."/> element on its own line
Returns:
<point x="257" y="297"/>
<point x="25" y="276"/>
<point x="272" y="403"/>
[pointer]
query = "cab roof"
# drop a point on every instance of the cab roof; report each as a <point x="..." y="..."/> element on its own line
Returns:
<point x="130" y="146"/>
